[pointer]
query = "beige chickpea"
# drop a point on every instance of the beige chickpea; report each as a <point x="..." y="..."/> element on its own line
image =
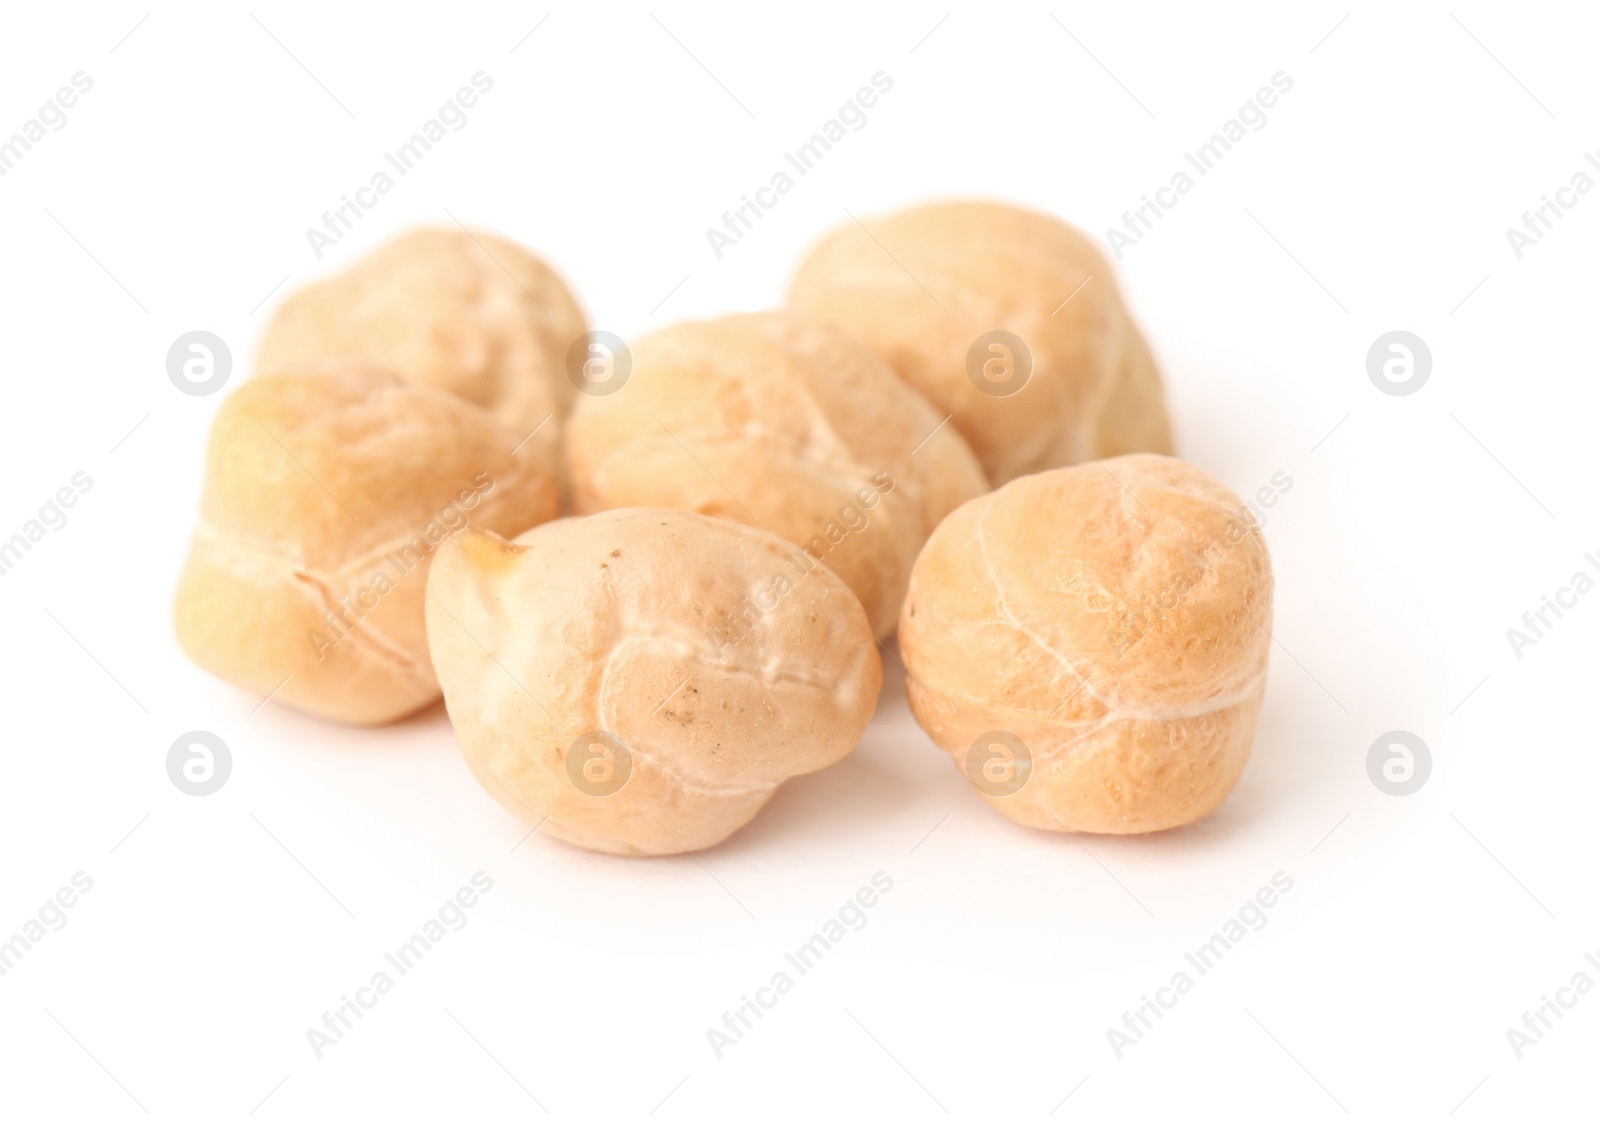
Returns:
<point x="782" y="422"/>
<point x="641" y="681"/>
<point x="1090" y="644"/>
<point x="467" y="312"/>
<point x="327" y="489"/>
<point x="1007" y="320"/>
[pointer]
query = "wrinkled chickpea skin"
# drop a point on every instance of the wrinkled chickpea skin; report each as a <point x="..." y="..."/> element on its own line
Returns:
<point x="782" y="422"/>
<point x="1008" y="320"/>
<point x="612" y="679"/>
<point x="1090" y="644"/>
<point x="327" y="489"/>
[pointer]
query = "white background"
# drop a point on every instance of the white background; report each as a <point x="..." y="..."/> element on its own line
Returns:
<point x="1418" y="530"/>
